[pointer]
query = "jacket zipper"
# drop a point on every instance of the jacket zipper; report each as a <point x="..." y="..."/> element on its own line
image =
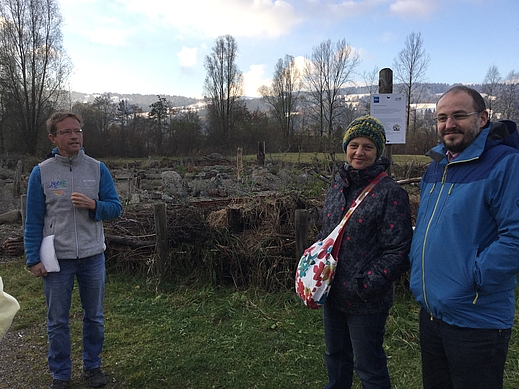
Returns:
<point x="429" y="226"/>
<point x="74" y="212"/>
<point x="425" y="240"/>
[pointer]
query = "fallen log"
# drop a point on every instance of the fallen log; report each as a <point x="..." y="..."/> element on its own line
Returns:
<point x="129" y="241"/>
<point x="409" y="180"/>
<point x="10" y="217"/>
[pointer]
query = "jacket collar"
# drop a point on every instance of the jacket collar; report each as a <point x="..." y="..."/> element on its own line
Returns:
<point x="55" y="154"/>
<point x="496" y="133"/>
<point x="364" y="176"/>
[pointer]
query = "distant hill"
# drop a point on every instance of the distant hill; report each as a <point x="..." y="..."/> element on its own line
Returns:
<point x="142" y="101"/>
<point x="430" y="92"/>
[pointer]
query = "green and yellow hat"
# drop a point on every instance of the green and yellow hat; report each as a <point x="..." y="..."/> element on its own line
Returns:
<point x="367" y="127"/>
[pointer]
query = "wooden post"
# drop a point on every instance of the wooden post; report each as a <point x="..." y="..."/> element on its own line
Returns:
<point x="23" y="209"/>
<point x="301" y="226"/>
<point x="385" y="81"/>
<point x="128" y="198"/>
<point x="239" y="162"/>
<point x="161" y="230"/>
<point x="385" y="85"/>
<point x="261" y="153"/>
<point x="17" y="179"/>
<point x="234" y="220"/>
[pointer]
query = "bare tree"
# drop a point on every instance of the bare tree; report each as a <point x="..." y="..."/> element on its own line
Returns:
<point x="508" y="102"/>
<point x="186" y="133"/>
<point x="124" y="112"/>
<point x="371" y="82"/>
<point x="491" y="87"/>
<point x="34" y="66"/>
<point x="328" y="71"/>
<point x="106" y="112"/>
<point x="410" y="67"/>
<point x="223" y="88"/>
<point x="283" y="95"/>
<point x="161" y="112"/>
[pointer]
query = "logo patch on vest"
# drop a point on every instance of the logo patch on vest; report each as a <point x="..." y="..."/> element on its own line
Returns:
<point x="57" y="186"/>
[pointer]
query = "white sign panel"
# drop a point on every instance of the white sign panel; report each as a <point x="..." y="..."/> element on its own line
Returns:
<point x="389" y="108"/>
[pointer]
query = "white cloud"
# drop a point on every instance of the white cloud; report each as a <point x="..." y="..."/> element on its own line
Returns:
<point x="301" y="64"/>
<point x="253" y="79"/>
<point x="97" y="22"/>
<point x="265" y="18"/>
<point x="326" y="11"/>
<point x="107" y="36"/>
<point x="187" y="57"/>
<point x="413" y="8"/>
<point x="105" y="76"/>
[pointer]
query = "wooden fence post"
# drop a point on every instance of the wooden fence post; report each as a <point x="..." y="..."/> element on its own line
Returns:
<point x="23" y="209"/>
<point x="385" y="85"/>
<point x="17" y="187"/>
<point x="239" y="162"/>
<point x="385" y="81"/>
<point x="301" y="226"/>
<point x="261" y="153"/>
<point x="161" y="229"/>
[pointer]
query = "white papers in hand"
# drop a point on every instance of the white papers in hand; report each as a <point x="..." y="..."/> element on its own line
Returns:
<point x="48" y="254"/>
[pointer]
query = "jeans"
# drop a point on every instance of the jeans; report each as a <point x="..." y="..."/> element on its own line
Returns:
<point x="354" y="342"/>
<point x="91" y="278"/>
<point x="461" y="358"/>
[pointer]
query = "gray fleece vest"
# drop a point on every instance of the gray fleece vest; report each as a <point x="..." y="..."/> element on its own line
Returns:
<point x="76" y="235"/>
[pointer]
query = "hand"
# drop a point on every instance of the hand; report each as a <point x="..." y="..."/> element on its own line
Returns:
<point x="38" y="270"/>
<point x="79" y="200"/>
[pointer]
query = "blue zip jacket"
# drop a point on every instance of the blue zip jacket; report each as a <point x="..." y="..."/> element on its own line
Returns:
<point x="465" y="250"/>
<point x="70" y="171"/>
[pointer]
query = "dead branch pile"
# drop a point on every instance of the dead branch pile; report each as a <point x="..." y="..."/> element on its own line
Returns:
<point x="247" y="242"/>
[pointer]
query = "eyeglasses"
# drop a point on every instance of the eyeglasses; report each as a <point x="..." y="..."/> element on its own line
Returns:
<point x="455" y="116"/>
<point x="78" y="131"/>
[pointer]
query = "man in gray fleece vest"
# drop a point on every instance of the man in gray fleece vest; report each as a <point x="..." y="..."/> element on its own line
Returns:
<point x="68" y="197"/>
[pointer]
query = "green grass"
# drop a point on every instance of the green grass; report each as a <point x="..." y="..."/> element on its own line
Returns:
<point x="199" y="337"/>
<point x="324" y="157"/>
<point x="315" y="158"/>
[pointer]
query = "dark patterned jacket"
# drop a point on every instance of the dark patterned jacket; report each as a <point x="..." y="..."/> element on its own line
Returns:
<point x="376" y="241"/>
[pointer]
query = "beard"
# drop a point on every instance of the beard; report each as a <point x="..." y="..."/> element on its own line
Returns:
<point x="459" y="144"/>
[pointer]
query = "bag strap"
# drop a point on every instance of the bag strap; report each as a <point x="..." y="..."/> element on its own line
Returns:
<point x="354" y="206"/>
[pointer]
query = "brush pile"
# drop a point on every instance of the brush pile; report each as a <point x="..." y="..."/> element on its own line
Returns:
<point x="244" y="242"/>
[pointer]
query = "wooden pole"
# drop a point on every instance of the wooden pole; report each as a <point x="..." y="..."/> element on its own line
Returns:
<point x="385" y="81"/>
<point x="23" y="209"/>
<point x="385" y="85"/>
<point x="17" y="187"/>
<point x="161" y="229"/>
<point x="301" y="227"/>
<point x="261" y="153"/>
<point x="239" y="162"/>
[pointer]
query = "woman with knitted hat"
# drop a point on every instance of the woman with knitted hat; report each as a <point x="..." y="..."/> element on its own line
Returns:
<point x="373" y="254"/>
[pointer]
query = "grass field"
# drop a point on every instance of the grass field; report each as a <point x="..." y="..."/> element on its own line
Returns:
<point x="322" y="157"/>
<point x="199" y="337"/>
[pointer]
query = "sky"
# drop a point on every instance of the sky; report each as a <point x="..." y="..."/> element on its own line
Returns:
<point x="159" y="46"/>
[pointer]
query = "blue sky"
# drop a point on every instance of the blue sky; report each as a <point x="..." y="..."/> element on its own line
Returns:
<point x="159" y="46"/>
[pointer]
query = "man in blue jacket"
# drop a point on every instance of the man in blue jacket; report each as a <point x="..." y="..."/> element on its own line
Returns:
<point x="465" y="250"/>
<point x="68" y="196"/>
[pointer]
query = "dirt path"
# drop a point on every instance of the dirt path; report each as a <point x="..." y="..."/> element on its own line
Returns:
<point x="21" y="362"/>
